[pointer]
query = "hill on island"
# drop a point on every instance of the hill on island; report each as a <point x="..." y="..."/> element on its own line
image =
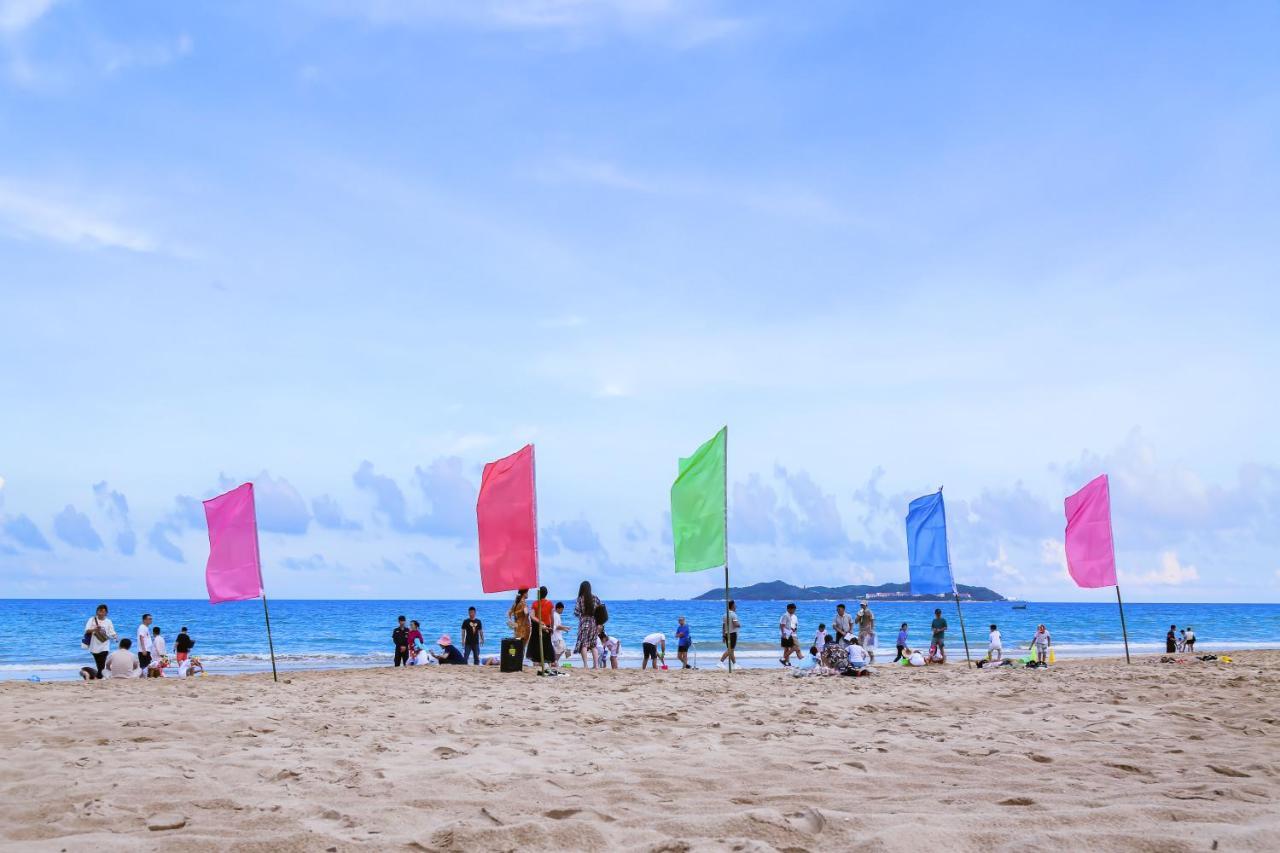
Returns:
<point x="782" y="591"/>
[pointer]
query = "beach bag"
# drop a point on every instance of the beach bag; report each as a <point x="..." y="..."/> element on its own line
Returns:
<point x="512" y="656"/>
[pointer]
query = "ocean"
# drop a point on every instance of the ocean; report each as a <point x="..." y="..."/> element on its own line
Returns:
<point x="41" y="637"/>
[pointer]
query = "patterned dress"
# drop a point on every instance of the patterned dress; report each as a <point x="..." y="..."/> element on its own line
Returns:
<point x="588" y="630"/>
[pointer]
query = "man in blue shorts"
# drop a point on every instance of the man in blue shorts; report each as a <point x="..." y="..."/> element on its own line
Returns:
<point x="683" y="642"/>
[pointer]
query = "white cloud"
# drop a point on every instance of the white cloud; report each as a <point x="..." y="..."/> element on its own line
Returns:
<point x="26" y="213"/>
<point x="680" y="23"/>
<point x="1002" y="566"/>
<point x="18" y="15"/>
<point x="1170" y="573"/>
<point x="1053" y="552"/>
<point x="118" y="57"/>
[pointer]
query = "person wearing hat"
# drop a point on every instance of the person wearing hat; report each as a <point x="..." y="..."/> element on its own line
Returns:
<point x="448" y="652"/>
<point x="866" y="629"/>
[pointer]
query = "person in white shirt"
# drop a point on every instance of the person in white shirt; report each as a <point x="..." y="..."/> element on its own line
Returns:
<point x="819" y="640"/>
<point x="916" y="658"/>
<point x="144" y="641"/>
<point x="123" y="663"/>
<point x="655" y="649"/>
<point x="858" y="657"/>
<point x="788" y="627"/>
<point x="995" y="647"/>
<point x="98" y="634"/>
<point x="729" y="627"/>
<point x="159" y="654"/>
<point x="558" y="631"/>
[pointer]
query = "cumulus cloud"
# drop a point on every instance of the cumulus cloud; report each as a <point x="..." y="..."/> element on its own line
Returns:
<point x="328" y="514"/>
<point x="74" y="528"/>
<point x="450" y="497"/>
<point x="635" y="532"/>
<point x="314" y="563"/>
<point x="23" y="530"/>
<point x="577" y="536"/>
<point x="19" y="15"/>
<point x="1170" y="573"/>
<point x="41" y="214"/>
<point x="114" y="506"/>
<point x="158" y="539"/>
<point x="815" y="523"/>
<point x="280" y="508"/>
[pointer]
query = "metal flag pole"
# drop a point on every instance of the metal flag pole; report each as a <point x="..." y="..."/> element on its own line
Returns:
<point x="257" y="546"/>
<point x="728" y="626"/>
<point x="1123" y="629"/>
<point x="964" y="635"/>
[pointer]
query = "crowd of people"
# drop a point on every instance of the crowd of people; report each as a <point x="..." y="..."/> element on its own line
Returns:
<point x="149" y="661"/>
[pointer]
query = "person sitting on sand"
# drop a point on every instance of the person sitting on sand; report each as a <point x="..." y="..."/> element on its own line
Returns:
<point x="448" y="652"/>
<point x="915" y="658"/>
<point x="835" y="657"/>
<point x="123" y="663"/>
<point x="995" y="647"/>
<point x="189" y="666"/>
<point x="1041" y="642"/>
<point x="936" y="654"/>
<point x="858" y="657"/>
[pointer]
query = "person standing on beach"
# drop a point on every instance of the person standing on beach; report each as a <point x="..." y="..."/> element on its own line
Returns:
<point x="683" y="641"/>
<point x="558" y="630"/>
<point x="902" y="642"/>
<point x="995" y="647"/>
<point x="939" y="628"/>
<point x="866" y="630"/>
<point x="729" y="627"/>
<point x="183" y="644"/>
<point x="400" y="638"/>
<point x="542" y="619"/>
<point x="843" y="623"/>
<point x="98" y="634"/>
<point x="518" y="619"/>
<point x="472" y="636"/>
<point x="1191" y="640"/>
<point x="588" y="631"/>
<point x="788" y="628"/>
<point x="1041" y="642"/>
<point x="144" y="641"/>
<point x="1171" y="640"/>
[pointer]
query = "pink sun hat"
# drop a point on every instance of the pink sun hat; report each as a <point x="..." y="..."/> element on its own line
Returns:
<point x="444" y="640"/>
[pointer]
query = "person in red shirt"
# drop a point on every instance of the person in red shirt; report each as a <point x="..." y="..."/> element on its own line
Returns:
<point x="415" y="641"/>
<point x="542" y="614"/>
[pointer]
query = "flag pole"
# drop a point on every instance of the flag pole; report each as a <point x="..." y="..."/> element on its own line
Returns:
<point x="257" y="547"/>
<point x="727" y="624"/>
<point x="964" y="635"/>
<point x="1123" y="629"/>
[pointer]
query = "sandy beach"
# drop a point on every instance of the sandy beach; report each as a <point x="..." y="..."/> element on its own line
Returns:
<point x="1087" y="755"/>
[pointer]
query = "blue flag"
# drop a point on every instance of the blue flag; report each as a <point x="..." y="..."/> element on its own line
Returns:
<point x="927" y="547"/>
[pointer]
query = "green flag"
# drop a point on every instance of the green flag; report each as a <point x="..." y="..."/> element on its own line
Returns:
<point x="698" y="507"/>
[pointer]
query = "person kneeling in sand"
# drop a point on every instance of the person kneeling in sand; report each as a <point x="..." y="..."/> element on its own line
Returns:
<point x="915" y="657"/>
<point x="189" y="666"/>
<point x="858" y="657"/>
<point x="448" y="652"/>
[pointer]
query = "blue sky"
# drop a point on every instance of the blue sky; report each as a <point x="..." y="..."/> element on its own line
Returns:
<point x="354" y="250"/>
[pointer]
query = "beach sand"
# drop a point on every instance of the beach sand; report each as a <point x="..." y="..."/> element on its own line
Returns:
<point x="1089" y="755"/>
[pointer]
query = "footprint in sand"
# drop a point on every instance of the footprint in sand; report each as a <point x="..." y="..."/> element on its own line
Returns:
<point x="444" y="753"/>
<point x="1229" y="771"/>
<point x="1018" y="801"/>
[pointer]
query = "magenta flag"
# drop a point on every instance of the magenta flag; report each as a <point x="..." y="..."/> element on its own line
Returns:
<point x="1091" y="550"/>
<point x="507" y="523"/>
<point x="234" y="570"/>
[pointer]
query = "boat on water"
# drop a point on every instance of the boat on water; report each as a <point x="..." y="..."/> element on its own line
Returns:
<point x="1019" y="605"/>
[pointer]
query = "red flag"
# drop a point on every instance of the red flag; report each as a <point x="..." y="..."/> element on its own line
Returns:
<point x="234" y="571"/>
<point x="507" y="522"/>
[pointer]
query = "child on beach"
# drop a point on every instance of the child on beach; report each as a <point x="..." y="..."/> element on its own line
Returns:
<point x="1041" y="642"/>
<point x="819" y="640"/>
<point x="995" y="648"/>
<point x="902" y="643"/>
<point x="788" y="628"/>
<point x="610" y="648"/>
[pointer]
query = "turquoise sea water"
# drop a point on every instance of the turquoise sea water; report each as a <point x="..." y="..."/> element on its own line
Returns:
<point x="41" y="637"/>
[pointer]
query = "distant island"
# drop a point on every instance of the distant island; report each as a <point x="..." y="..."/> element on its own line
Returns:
<point x="782" y="591"/>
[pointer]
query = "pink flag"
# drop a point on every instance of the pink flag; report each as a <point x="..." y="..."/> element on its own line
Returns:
<point x="507" y="523"/>
<point x="234" y="570"/>
<point x="1091" y="551"/>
